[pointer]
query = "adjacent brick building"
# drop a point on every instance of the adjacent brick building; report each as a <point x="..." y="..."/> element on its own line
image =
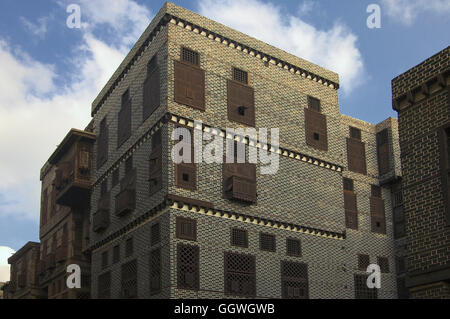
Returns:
<point x="421" y="98"/>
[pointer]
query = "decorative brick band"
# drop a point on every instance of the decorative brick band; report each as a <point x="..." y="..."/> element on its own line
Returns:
<point x="218" y="38"/>
<point x="245" y="140"/>
<point x="171" y="202"/>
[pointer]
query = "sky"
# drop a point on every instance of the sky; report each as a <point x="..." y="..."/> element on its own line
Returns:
<point x="50" y="73"/>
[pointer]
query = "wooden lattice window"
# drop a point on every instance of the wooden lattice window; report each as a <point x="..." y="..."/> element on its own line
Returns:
<point x="102" y="144"/>
<point x="241" y="103"/>
<point x="155" y="271"/>
<point x="155" y="236"/>
<point x="186" y="228"/>
<point x="116" y="254"/>
<point x="361" y="289"/>
<point x="190" y="56"/>
<point x="355" y="133"/>
<point x="239" y="237"/>
<point x="356" y="156"/>
<point x="314" y="104"/>
<point x="383" y="152"/>
<point x="104" y="286"/>
<point x="129" y="247"/>
<point x="129" y="280"/>
<point x="240" y="274"/>
<point x="316" y="129"/>
<point x="267" y="242"/>
<point x="293" y="247"/>
<point x="240" y="75"/>
<point x="104" y="188"/>
<point x="294" y="280"/>
<point x="383" y="262"/>
<point x="188" y="267"/>
<point x="124" y="119"/>
<point x="44" y="207"/>
<point x="151" y="89"/>
<point x="363" y="262"/>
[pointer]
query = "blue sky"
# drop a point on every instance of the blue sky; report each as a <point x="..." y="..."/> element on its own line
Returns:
<point x="49" y="74"/>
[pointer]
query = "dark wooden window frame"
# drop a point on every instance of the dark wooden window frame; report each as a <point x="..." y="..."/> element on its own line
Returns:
<point x="193" y="265"/>
<point x="289" y="251"/>
<point x="180" y="221"/>
<point x="232" y="237"/>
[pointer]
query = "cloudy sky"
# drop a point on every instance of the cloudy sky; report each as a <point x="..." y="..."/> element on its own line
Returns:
<point x="50" y="74"/>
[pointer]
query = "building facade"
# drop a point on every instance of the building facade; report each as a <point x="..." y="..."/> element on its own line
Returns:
<point x="199" y="230"/>
<point x="421" y="98"/>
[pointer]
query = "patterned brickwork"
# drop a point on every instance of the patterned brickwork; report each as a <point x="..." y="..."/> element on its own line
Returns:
<point x="308" y="195"/>
<point x="421" y="113"/>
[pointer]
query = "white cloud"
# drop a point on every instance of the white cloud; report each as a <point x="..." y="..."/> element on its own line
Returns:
<point x="5" y="253"/>
<point x="36" y="112"/>
<point x="39" y="28"/>
<point x="334" y="49"/>
<point x="406" y="11"/>
<point x="306" y="7"/>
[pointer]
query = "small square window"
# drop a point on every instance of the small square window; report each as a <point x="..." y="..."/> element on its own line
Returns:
<point x="185" y="177"/>
<point x="314" y="103"/>
<point x="239" y="237"/>
<point x="293" y="247"/>
<point x="190" y="56"/>
<point x="186" y="228"/>
<point x="355" y="133"/>
<point x="316" y="136"/>
<point x="363" y="262"/>
<point x="267" y="242"/>
<point x="240" y="75"/>
<point x="348" y="184"/>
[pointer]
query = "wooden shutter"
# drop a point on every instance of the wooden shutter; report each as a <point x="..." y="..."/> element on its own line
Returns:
<point x="155" y="170"/>
<point x="124" y="123"/>
<point x="377" y="215"/>
<point x="356" y="156"/>
<point x="239" y="181"/>
<point x="350" y="205"/>
<point x="363" y="262"/>
<point x="383" y="154"/>
<point x="241" y="103"/>
<point x="151" y="92"/>
<point x="189" y="87"/>
<point x="355" y="133"/>
<point x="316" y="129"/>
<point x="188" y="267"/>
<point x="186" y="173"/>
